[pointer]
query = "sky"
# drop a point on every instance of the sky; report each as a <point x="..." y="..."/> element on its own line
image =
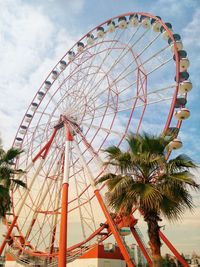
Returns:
<point x="35" y="34"/>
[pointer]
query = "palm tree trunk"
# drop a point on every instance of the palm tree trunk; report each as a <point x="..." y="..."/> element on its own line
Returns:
<point x="154" y="241"/>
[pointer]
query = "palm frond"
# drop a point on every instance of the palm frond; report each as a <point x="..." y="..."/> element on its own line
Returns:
<point x="185" y="177"/>
<point x="181" y="162"/>
<point x="106" y="177"/>
<point x="112" y="152"/>
<point x="18" y="182"/>
<point x="146" y="179"/>
<point x="10" y="155"/>
<point x="147" y="143"/>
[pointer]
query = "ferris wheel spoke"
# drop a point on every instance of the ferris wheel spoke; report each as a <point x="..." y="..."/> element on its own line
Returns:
<point x="54" y="224"/>
<point x="128" y="101"/>
<point x="148" y="45"/>
<point x="159" y="66"/>
<point x="141" y="104"/>
<point x="53" y="101"/>
<point x="163" y="49"/>
<point x="103" y="129"/>
<point x="118" y="80"/>
<point x="37" y="202"/>
<point x="122" y="54"/>
<point x="47" y="114"/>
<point x="96" y="52"/>
<point x="85" y="213"/>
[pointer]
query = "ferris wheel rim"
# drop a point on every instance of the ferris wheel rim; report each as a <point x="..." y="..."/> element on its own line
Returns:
<point x="82" y="38"/>
<point x="176" y="60"/>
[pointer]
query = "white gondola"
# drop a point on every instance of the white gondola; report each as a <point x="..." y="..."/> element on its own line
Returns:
<point x="179" y="46"/>
<point x="164" y="32"/>
<point x="100" y="32"/>
<point x="145" y="21"/>
<point x="122" y="22"/>
<point x="80" y="47"/>
<point x="54" y="74"/>
<point x="124" y="231"/>
<point x="175" y="144"/>
<point x="182" y="114"/>
<point x="181" y="101"/>
<point x="18" y="141"/>
<point x="133" y="20"/>
<point x="71" y="55"/>
<point x="111" y="26"/>
<point x="156" y="25"/>
<point x="184" y="64"/>
<point x="34" y="106"/>
<point x="28" y="118"/>
<point x="90" y="39"/>
<point x="18" y="144"/>
<point x="185" y="87"/>
<point x="47" y="85"/>
<point x="184" y="75"/>
<point x="62" y="65"/>
<point x="22" y="129"/>
<point x="40" y="95"/>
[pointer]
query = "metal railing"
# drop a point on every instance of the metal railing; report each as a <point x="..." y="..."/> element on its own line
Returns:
<point x="26" y="260"/>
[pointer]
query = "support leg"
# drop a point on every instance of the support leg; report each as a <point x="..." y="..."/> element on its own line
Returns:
<point x="173" y="250"/>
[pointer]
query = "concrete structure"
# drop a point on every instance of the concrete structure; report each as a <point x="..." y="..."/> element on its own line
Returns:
<point x="107" y="255"/>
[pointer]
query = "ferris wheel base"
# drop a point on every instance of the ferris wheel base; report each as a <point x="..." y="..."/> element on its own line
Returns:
<point x="107" y="255"/>
<point x="97" y="263"/>
<point x="100" y="255"/>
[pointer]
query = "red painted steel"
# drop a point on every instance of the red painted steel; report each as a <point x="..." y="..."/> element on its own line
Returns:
<point x="62" y="255"/>
<point x="114" y="230"/>
<point x="173" y="250"/>
<point x="8" y="234"/>
<point x="45" y="149"/>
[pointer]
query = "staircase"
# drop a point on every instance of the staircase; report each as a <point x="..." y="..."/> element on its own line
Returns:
<point x="142" y="240"/>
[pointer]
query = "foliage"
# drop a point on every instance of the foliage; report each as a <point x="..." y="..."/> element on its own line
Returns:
<point x="146" y="179"/>
<point x="168" y="262"/>
<point x="7" y="177"/>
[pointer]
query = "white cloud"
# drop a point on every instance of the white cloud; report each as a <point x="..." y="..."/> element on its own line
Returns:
<point x="31" y="43"/>
<point x="174" y="8"/>
<point x="191" y="32"/>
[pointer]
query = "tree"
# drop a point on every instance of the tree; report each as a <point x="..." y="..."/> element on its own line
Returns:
<point x="168" y="261"/>
<point x="147" y="180"/>
<point x="7" y="180"/>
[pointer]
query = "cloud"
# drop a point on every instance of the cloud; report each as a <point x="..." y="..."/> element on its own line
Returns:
<point x="31" y="43"/>
<point x="191" y="32"/>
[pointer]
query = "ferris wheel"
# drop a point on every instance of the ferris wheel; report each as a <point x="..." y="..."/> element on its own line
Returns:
<point x="129" y="74"/>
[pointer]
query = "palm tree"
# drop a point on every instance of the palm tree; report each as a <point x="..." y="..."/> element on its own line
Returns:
<point x="147" y="180"/>
<point x="7" y="180"/>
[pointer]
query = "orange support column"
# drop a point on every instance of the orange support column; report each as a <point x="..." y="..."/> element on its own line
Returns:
<point x="63" y="227"/>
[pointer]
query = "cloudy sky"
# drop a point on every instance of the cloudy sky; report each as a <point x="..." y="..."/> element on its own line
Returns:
<point x="35" y="34"/>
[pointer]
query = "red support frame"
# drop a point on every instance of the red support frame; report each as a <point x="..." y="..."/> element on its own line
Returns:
<point x="114" y="230"/>
<point x="173" y="250"/>
<point x="177" y="71"/>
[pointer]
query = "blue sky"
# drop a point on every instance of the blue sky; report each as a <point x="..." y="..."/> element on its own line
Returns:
<point x="35" y="34"/>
